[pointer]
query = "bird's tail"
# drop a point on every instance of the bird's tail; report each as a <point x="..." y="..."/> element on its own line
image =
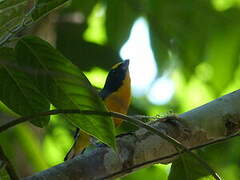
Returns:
<point x="82" y="140"/>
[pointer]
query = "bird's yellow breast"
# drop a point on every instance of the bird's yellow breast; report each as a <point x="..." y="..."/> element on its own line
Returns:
<point x="119" y="100"/>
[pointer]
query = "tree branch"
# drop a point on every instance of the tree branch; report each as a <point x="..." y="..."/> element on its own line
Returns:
<point x="168" y="157"/>
<point x="208" y="123"/>
<point x="132" y="120"/>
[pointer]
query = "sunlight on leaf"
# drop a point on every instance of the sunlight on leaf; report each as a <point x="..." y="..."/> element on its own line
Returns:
<point x="96" y="76"/>
<point x="57" y="141"/>
<point x="192" y="94"/>
<point x="96" y="30"/>
<point x="51" y="151"/>
<point x="222" y="5"/>
<point x="204" y="71"/>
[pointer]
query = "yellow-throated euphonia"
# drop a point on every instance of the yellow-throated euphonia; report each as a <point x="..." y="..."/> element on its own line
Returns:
<point x="116" y="95"/>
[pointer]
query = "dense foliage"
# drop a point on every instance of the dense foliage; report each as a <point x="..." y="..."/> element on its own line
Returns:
<point x="196" y="42"/>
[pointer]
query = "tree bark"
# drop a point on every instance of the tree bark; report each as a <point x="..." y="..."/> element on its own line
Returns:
<point x="217" y="119"/>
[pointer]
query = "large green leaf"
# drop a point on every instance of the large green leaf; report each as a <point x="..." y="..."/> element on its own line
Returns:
<point x="120" y="16"/>
<point x="44" y="7"/>
<point x="65" y="86"/>
<point x="187" y="168"/>
<point x="17" y="91"/>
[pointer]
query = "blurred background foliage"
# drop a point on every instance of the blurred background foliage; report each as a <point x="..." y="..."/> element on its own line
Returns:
<point x="182" y="54"/>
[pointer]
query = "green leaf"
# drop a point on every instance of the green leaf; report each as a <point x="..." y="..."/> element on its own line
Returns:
<point x="17" y="91"/>
<point x="44" y="7"/>
<point x="188" y="168"/>
<point x="120" y="16"/>
<point x="65" y="86"/>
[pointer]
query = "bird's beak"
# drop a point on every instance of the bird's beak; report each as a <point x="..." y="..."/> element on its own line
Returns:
<point x="125" y="64"/>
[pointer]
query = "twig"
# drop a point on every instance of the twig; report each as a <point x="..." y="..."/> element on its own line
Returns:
<point x="116" y="115"/>
<point x="15" y="30"/>
<point x="8" y="166"/>
<point x="26" y="21"/>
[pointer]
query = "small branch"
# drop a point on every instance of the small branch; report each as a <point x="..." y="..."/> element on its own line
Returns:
<point x="26" y="21"/>
<point x="15" y="30"/>
<point x="116" y="115"/>
<point x="8" y="166"/>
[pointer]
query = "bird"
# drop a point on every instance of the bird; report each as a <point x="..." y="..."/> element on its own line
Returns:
<point x="116" y="95"/>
